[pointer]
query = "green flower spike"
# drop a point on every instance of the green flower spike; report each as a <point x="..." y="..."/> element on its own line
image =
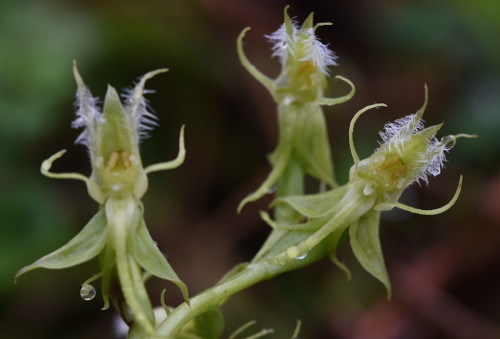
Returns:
<point x="408" y="153"/>
<point x="117" y="233"/>
<point x="299" y="92"/>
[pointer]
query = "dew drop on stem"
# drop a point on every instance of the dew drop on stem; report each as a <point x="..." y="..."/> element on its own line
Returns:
<point x="302" y="256"/>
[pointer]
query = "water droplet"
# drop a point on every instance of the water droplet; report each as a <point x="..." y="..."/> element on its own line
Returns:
<point x="302" y="256"/>
<point x="87" y="292"/>
<point x="368" y="189"/>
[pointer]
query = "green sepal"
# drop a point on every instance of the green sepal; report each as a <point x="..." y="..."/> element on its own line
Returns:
<point x="334" y="242"/>
<point x="113" y="136"/>
<point x="149" y="257"/>
<point x="312" y="145"/>
<point x="315" y="205"/>
<point x="309" y="226"/>
<point x="279" y="159"/>
<point x="365" y="243"/>
<point x="84" y="246"/>
<point x="291" y="182"/>
<point x="210" y="324"/>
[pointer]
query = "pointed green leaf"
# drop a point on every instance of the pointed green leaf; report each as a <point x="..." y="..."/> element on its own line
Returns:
<point x="84" y="246"/>
<point x="315" y="205"/>
<point x="280" y="160"/>
<point x="312" y="144"/>
<point x="365" y="244"/>
<point x="149" y="257"/>
<point x="210" y="324"/>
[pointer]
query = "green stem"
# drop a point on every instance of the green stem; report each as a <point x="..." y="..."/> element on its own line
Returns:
<point x="290" y="183"/>
<point x="218" y="294"/>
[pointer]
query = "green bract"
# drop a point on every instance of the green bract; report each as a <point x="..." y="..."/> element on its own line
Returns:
<point x="117" y="233"/>
<point x="299" y="92"/>
<point x="408" y="153"/>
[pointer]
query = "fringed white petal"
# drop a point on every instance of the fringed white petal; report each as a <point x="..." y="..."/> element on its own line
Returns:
<point x="282" y="42"/>
<point x="319" y="53"/>
<point x="88" y="115"/>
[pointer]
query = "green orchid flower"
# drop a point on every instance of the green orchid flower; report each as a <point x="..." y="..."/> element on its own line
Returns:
<point x="117" y="233"/>
<point x="299" y="93"/>
<point x="408" y="153"/>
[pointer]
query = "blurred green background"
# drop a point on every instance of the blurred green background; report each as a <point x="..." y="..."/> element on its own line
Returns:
<point x="445" y="269"/>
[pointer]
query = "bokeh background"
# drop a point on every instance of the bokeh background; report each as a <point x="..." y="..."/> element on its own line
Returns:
<point x="445" y="269"/>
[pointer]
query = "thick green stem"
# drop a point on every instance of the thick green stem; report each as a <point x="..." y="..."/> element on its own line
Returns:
<point x="290" y="183"/>
<point x="218" y="294"/>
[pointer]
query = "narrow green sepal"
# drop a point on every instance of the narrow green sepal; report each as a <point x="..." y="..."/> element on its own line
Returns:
<point x="365" y="243"/>
<point x="280" y="160"/>
<point x="84" y="246"/>
<point x="308" y="23"/>
<point x="315" y="205"/>
<point x="312" y="146"/>
<point x="310" y="226"/>
<point x="112" y="133"/>
<point x="149" y="257"/>
<point x="334" y="242"/>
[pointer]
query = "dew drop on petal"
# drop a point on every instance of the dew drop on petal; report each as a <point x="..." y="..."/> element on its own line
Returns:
<point x="87" y="292"/>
